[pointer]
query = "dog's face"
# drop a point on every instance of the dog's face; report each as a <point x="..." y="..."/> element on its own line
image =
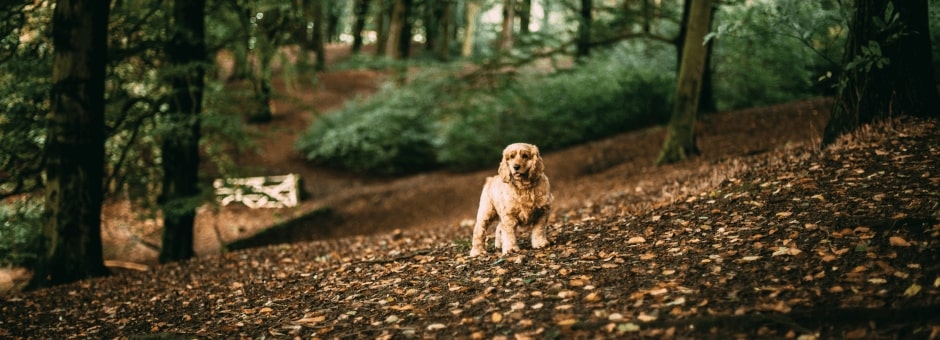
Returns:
<point x="521" y="162"/>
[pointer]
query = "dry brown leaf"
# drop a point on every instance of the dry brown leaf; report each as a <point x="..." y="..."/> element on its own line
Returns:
<point x="898" y="241"/>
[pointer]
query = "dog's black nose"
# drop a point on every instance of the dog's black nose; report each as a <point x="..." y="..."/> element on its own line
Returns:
<point x="516" y="166"/>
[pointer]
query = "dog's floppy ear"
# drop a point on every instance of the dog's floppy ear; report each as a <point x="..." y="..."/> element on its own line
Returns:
<point x="539" y="168"/>
<point x="504" y="173"/>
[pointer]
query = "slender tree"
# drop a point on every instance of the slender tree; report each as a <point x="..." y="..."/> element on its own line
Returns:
<point x="396" y="26"/>
<point x="584" y="29"/>
<point x="186" y="53"/>
<point x="680" y="137"/>
<point x="472" y="11"/>
<point x="505" y="35"/>
<point x="381" y="26"/>
<point x="360" y="11"/>
<point x="887" y="69"/>
<point x="74" y="146"/>
<point x="525" y="15"/>
<point x="316" y="11"/>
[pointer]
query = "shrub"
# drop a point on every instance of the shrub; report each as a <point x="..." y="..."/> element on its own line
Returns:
<point x="440" y="120"/>
<point x="20" y="232"/>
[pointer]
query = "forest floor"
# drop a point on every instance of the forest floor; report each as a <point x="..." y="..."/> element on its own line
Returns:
<point x="763" y="235"/>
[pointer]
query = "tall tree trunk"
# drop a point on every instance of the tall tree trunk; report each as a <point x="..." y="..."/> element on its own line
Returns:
<point x="74" y="147"/>
<point x="442" y="50"/>
<point x="525" y="16"/>
<point x="331" y="17"/>
<point x="360" y="11"/>
<point x="318" y="44"/>
<point x="472" y="11"/>
<point x="707" y="97"/>
<point x="505" y="35"/>
<point x="680" y="137"/>
<point x="887" y="71"/>
<point x="404" y="42"/>
<point x="395" y="27"/>
<point x="584" y="29"/>
<point x="186" y="53"/>
<point x="381" y="30"/>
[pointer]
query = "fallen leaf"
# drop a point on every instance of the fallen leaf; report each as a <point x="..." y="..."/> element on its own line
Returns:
<point x="898" y="241"/>
<point x="645" y="317"/>
<point x="496" y="317"/>
<point x="436" y="326"/>
<point x="912" y="290"/>
<point x="628" y="327"/>
<point x="636" y="239"/>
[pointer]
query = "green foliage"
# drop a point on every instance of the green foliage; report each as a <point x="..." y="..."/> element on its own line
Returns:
<point x="390" y="133"/>
<point x="774" y="51"/>
<point x="614" y="91"/>
<point x="447" y="118"/>
<point x="20" y="231"/>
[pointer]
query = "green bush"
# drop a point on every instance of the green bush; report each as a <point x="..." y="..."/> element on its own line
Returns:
<point x="613" y="92"/>
<point x="20" y="233"/>
<point x="440" y="120"/>
<point x="389" y="133"/>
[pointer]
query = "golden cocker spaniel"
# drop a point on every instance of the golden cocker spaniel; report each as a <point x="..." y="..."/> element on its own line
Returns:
<point x="519" y="195"/>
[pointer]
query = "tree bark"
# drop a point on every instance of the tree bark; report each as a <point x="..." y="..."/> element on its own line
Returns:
<point x="584" y="29"/>
<point x="505" y="35"/>
<point x="381" y="31"/>
<point x="680" y="137"/>
<point x="74" y="146"/>
<point x="395" y="27"/>
<point x="186" y="53"/>
<point x="361" y="10"/>
<point x="525" y="16"/>
<point x="404" y="41"/>
<point x="472" y="11"/>
<point x="318" y="35"/>
<point x="887" y="71"/>
<point x="442" y="49"/>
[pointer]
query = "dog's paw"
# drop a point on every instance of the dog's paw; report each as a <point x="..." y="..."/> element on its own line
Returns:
<point x="540" y="243"/>
<point x="474" y="252"/>
<point x="507" y="251"/>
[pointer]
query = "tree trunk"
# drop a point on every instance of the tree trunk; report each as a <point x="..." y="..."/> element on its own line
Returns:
<point x="525" y="16"/>
<point x="505" y="35"/>
<point x="472" y="11"/>
<point x="186" y="53"/>
<point x="404" y="42"/>
<point x="680" y="137"/>
<point x="331" y="17"/>
<point x="361" y="10"/>
<point x="318" y="41"/>
<point x="395" y="27"/>
<point x="584" y="29"/>
<point x="886" y="71"/>
<point x="381" y="31"/>
<point x="74" y="147"/>
<point x="442" y="50"/>
<point x="707" y="96"/>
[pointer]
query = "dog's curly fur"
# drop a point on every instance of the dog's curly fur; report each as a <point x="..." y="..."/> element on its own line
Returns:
<point x="519" y="195"/>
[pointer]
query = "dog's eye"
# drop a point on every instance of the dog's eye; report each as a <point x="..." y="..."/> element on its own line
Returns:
<point x="525" y="156"/>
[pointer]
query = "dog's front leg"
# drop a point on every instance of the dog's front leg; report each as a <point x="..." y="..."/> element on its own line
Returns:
<point x="509" y="235"/>
<point x="539" y="238"/>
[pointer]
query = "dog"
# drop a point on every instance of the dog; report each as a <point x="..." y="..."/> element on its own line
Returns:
<point x="519" y="196"/>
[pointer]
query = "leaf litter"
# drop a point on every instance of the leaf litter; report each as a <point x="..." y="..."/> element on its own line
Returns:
<point x="801" y="244"/>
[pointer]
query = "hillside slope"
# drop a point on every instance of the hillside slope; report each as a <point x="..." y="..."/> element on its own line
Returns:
<point x="789" y="242"/>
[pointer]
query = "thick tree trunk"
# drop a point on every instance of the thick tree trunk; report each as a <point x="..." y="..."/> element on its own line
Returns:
<point x="74" y="147"/>
<point x="680" y="138"/>
<point x="360" y="10"/>
<point x="887" y="71"/>
<point x="472" y="11"/>
<point x="186" y="52"/>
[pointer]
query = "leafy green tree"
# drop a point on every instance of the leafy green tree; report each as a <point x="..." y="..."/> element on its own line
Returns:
<point x="74" y="146"/>
<point x="887" y="68"/>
